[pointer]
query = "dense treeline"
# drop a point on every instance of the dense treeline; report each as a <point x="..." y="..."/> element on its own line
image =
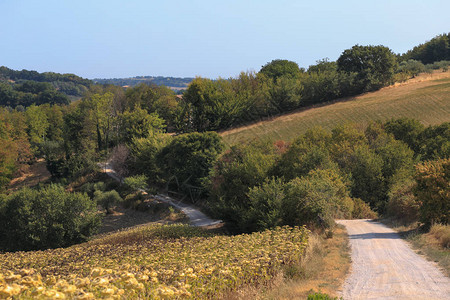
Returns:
<point x="30" y="92"/>
<point x="24" y="88"/>
<point x="158" y="80"/>
<point x="281" y="86"/>
<point x="323" y="175"/>
<point x="435" y="50"/>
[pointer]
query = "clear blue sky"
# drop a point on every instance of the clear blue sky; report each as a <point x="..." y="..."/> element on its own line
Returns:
<point x="209" y="38"/>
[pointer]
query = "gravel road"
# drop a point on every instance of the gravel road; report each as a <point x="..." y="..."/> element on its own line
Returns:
<point x="385" y="267"/>
<point x="196" y="217"/>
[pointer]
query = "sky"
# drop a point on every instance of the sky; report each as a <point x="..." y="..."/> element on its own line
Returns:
<point x="208" y="38"/>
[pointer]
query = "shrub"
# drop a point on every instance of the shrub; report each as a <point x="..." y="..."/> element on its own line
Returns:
<point x="316" y="199"/>
<point x="266" y="203"/>
<point x="190" y="157"/>
<point x="107" y="199"/>
<point x="321" y="296"/>
<point x="133" y="200"/>
<point x="137" y="182"/>
<point x="433" y="191"/>
<point x="362" y="210"/>
<point x="402" y="204"/>
<point x="238" y="170"/>
<point x="442" y="234"/>
<point x="46" y="218"/>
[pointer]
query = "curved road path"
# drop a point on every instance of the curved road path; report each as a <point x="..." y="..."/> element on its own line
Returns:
<point x="385" y="267"/>
<point x="196" y="217"/>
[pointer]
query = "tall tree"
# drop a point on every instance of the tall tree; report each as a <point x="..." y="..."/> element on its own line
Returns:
<point x="375" y="65"/>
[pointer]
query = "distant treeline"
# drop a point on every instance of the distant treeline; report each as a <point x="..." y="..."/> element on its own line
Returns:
<point x="437" y="49"/>
<point x="30" y="87"/>
<point x="159" y="80"/>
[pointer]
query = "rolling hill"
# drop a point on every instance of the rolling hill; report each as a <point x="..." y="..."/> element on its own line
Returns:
<point x="426" y="98"/>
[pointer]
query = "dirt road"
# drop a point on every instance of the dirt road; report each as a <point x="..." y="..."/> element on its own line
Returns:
<point x="384" y="267"/>
<point x="196" y="217"/>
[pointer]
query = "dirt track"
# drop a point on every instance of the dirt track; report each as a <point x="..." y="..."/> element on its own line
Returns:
<point x="384" y="267"/>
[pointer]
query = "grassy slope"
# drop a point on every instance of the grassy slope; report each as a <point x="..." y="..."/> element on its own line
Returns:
<point x="426" y="98"/>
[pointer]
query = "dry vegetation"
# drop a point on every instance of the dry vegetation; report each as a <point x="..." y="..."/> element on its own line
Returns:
<point x="323" y="269"/>
<point x="155" y="262"/>
<point x="30" y="175"/>
<point x="425" y="98"/>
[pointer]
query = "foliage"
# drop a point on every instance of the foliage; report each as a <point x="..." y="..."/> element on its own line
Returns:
<point x="238" y="170"/>
<point x="430" y="142"/>
<point x="153" y="262"/>
<point x="411" y="67"/>
<point x="406" y="130"/>
<point x="375" y="65"/>
<point x="280" y="68"/>
<point x="144" y="153"/>
<point x="316" y="199"/>
<point x="46" y="218"/>
<point x="190" y="157"/>
<point x="308" y="152"/>
<point x="361" y="210"/>
<point x="138" y="124"/>
<point x="266" y="202"/>
<point x="156" y="100"/>
<point x="107" y="199"/>
<point x="402" y="203"/>
<point x="321" y="296"/>
<point x="437" y="49"/>
<point x="433" y="191"/>
<point x="137" y="182"/>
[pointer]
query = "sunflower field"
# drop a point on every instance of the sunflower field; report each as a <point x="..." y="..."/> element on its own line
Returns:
<point x="152" y="262"/>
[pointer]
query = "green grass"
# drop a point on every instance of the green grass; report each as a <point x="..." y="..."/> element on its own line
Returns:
<point x="423" y="99"/>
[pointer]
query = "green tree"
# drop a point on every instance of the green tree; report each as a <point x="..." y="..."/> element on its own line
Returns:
<point x="46" y="218"/>
<point x="375" y="65"/>
<point x="190" y="157"/>
<point x="138" y="124"/>
<point x="279" y="68"/>
<point x="100" y="110"/>
<point x="239" y="169"/>
<point x="433" y="191"/>
<point x="266" y="202"/>
<point x="37" y="123"/>
<point x="316" y="199"/>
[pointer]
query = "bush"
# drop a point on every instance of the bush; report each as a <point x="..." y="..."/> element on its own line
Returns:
<point x="46" y="218"/>
<point x="137" y="182"/>
<point x="316" y="200"/>
<point x="433" y="191"/>
<point x="361" y="210"/>
<point x="266" y="203"/>
<point x="133" y="200"/>
<point x="190" y="157"/>
<point x="107" y="199"/>
<point x="321" y="296"/>
<point x="442" y="234"/>
<point x="238" y="170"/>
<point x="402" y="204"/>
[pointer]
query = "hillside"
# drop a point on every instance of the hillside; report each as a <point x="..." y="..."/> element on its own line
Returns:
<point x="425" y="98"/>
<point x="175" y="83"/>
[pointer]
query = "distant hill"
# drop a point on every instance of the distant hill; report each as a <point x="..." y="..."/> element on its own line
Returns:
<point x="425" y="98"/>
<point x="176" y="83"/>
<point x="27" y="87"/>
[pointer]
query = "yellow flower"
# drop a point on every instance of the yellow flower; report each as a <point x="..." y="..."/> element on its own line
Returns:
<point x="10" y="290"/>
